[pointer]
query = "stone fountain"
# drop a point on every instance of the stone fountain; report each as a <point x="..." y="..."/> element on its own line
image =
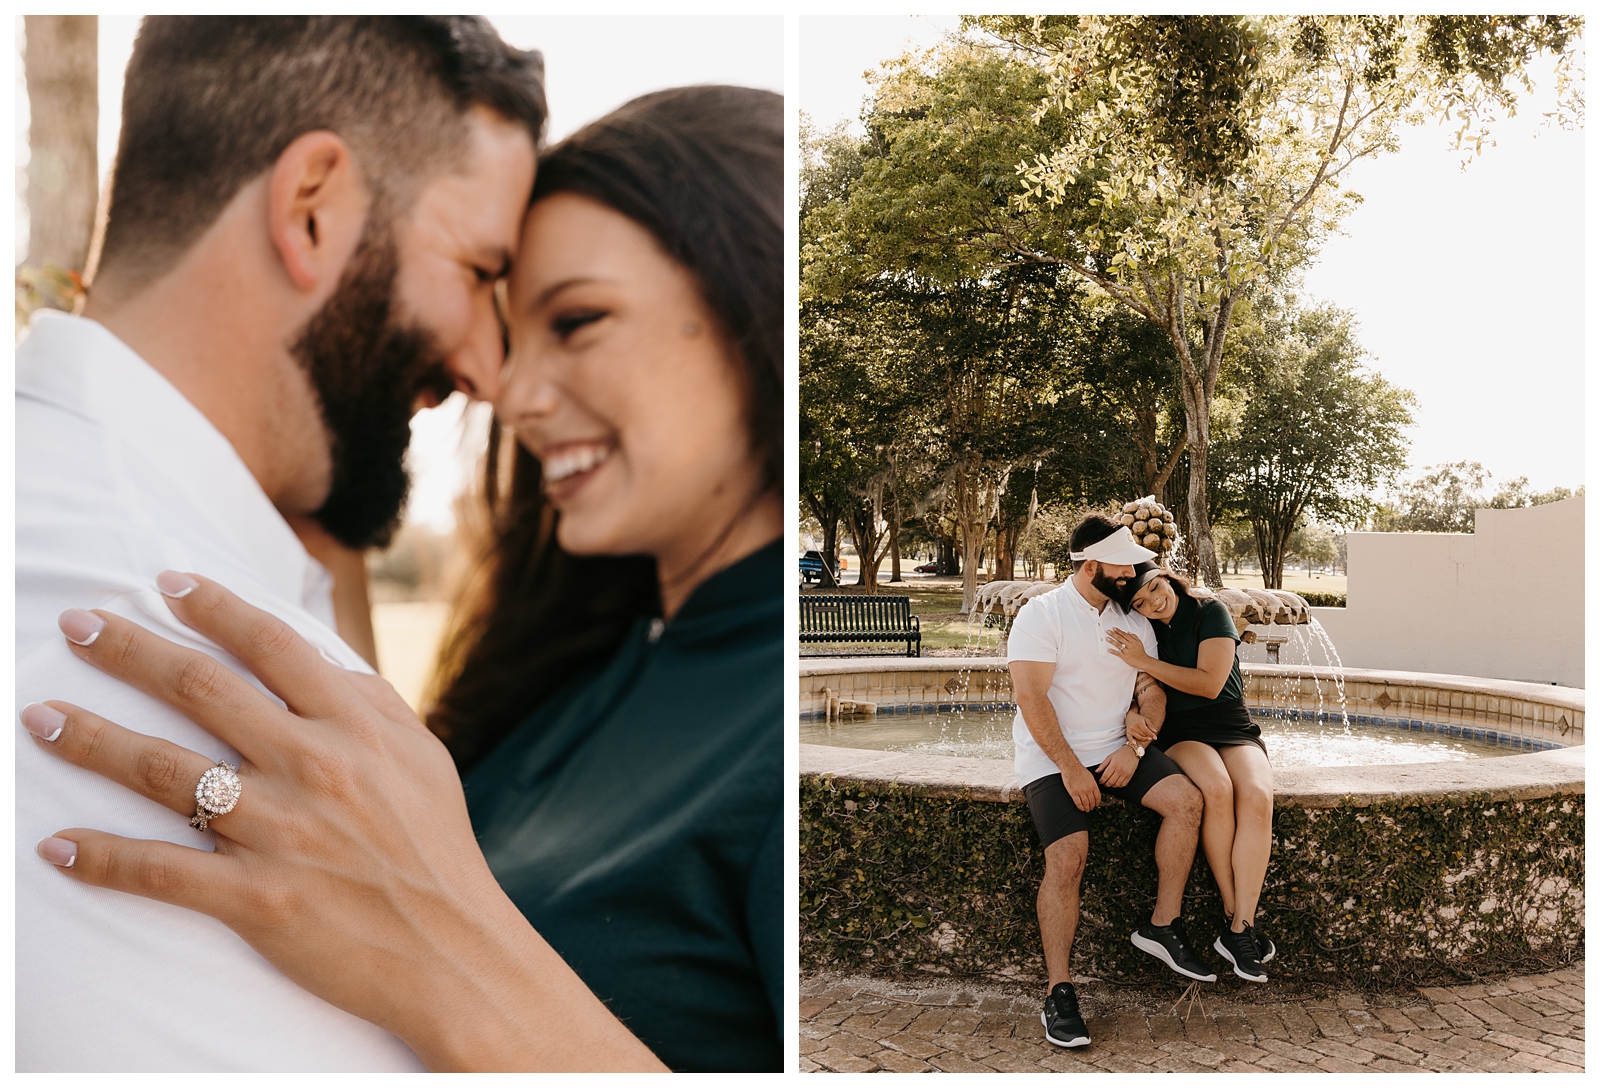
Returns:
<point x="1250" y="608"/>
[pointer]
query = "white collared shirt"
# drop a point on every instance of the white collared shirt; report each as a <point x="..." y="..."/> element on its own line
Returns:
<point x="1092" y="687"/>
<point x="118" y="478"/>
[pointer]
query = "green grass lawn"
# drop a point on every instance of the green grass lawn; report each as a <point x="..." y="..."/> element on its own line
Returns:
<point x="1295" y="581"/>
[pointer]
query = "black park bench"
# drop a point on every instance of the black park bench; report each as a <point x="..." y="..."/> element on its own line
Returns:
<point x="847" y="618"/>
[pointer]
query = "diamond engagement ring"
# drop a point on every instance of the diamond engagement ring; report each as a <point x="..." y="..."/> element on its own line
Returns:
<point x="215" y="794"/>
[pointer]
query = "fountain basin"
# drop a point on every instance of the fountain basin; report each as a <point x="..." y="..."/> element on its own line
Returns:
<point x="1536" y="717"/>
<point x="1292" y="738"/>
<point x="1407" y="871"/>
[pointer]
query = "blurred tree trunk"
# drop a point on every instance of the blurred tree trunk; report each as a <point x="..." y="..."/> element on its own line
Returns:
<point x="60" y="61"/>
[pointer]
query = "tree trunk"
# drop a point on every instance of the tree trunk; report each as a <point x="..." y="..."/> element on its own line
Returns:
<point x="972" y="534"/>
<point x="894" y="538"/>
<point x="869" y="540"/>
<point x="60" y="61"/>
<point x="1202" y="550"/>
<point x="1159" y="484"/>
<point x="1271" y="544"/>
<point x="1005" y="552"/>
<point x="949" y="559"/>
<point x="830" y="543"/>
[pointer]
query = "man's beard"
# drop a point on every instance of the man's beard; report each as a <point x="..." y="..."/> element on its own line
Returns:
<point x="367" y="370"/>
<point x="1122" y="594"/>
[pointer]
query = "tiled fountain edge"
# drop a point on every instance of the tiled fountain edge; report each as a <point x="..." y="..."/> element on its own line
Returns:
<point x="1512" y="777"/>
<point x="1537" y="712"/>
<point x="1569" y="698"/>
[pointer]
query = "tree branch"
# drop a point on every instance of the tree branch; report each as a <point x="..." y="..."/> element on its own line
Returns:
<point x="1172" y="463"/>
<point x="1322" y="167"/>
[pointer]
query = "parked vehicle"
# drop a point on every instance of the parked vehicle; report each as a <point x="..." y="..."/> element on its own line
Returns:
<point x="927" y="568"/>
<point x="811" y="566"/>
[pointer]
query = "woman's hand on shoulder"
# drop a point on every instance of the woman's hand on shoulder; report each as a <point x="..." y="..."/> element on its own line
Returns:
<point x="1129" y="647"/>
<point x="348" y="860"/>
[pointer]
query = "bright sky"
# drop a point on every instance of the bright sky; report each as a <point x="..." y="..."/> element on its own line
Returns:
<point x="1468" y="285"/>
<point x="592" y="65"/>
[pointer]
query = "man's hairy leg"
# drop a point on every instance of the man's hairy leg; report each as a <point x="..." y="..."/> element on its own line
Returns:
<point x="1058" y="902"/>
<point x="1179" y="804"/>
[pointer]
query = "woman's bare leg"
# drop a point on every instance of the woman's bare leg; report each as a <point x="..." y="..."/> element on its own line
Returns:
<point x="1252" y="841"/>
<point x="1206" y="770"/>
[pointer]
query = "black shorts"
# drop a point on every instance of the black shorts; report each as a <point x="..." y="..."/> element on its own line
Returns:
<point x="1219" y="724"/>
<point x="1056" y="815"/>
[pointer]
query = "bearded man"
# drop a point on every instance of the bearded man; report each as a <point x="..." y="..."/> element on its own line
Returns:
<point x="1078" y="736"/>
<point x="307" y="219"/>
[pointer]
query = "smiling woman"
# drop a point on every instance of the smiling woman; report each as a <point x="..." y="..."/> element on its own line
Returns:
<point x="626" y="388"/>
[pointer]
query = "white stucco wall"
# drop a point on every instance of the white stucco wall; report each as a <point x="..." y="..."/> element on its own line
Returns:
<point x="1503" y="601"/>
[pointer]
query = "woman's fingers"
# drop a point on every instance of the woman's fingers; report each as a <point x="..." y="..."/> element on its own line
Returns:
<point x="193" y="879"/>
<point x="289" y="666"/>
<point x="384" y="699"/>
<point x="166" y="773"/>
<point x="199" y="686"/>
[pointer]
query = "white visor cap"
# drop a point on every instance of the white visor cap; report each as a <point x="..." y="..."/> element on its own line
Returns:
<point x="1118" y="549"/>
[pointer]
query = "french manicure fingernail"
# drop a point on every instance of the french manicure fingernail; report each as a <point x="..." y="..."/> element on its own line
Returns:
<point x="44" y="722"/>
<point x="62" y="852"/>
<point x="174" y="584"/>
<point x="80" y="626"/>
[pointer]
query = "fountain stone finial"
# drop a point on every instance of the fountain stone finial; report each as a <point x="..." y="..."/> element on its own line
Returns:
<point x="1261" y="607"/>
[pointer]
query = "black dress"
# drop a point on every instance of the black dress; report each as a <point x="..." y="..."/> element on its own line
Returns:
<point x="637" y="821"/>
<point x="1221" y="722"/>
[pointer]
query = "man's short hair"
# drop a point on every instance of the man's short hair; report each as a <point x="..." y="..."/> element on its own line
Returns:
<point x="1091" y="530"/>
<point x="210" y="102"/>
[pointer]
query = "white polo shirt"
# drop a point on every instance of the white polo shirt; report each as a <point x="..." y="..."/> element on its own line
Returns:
<point x="118" y="478"/>
<point x="1091" y="688"/>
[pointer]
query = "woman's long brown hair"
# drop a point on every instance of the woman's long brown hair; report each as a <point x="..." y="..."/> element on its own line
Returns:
<point x="701" y="168"/>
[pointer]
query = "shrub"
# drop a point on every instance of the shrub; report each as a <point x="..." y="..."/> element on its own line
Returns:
<point x="892" y="877"/>
<point x="1324" y="600"/>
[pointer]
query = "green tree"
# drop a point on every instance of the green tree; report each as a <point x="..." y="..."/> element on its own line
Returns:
<point x="1316" y="435"/>
<point x="989" y="359"/>
<point x="1130" y="367"/>
<point x="1236" y="544"/>
<point x="1445" y="498"/>
<point x="1441" y="499"/>
<point x="1183" y="161"/>
<point x="829" y="163"/>
<point x="1001" y="364"/>
<point x="1312" y="542"/>
<point x="855" y="416"/>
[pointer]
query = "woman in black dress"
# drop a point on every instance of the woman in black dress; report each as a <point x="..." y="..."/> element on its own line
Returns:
<point x="1209" y="734"/>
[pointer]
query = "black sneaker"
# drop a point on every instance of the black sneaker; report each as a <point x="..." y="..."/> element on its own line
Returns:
<point x="1239" y="949"/>
<point x="1264" y="944"/>
<point x="1063" y="1024"/>
<point x="1170" y="945"/>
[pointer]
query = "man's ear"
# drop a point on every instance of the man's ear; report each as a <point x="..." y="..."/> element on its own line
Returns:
<point x="317" y="205"/>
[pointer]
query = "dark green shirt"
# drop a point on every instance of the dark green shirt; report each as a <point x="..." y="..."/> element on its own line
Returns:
<point x="1180" y="642"/>
<point x="636" y="820"/>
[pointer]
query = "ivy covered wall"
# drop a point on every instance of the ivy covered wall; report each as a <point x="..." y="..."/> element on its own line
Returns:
<point x="892" y="877"/>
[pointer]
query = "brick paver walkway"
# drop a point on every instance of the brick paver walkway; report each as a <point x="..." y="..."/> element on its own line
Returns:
<point x="1522" y="1024"/>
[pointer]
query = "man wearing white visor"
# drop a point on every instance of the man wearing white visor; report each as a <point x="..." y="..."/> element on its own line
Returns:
<point x="1076" y="738"/>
